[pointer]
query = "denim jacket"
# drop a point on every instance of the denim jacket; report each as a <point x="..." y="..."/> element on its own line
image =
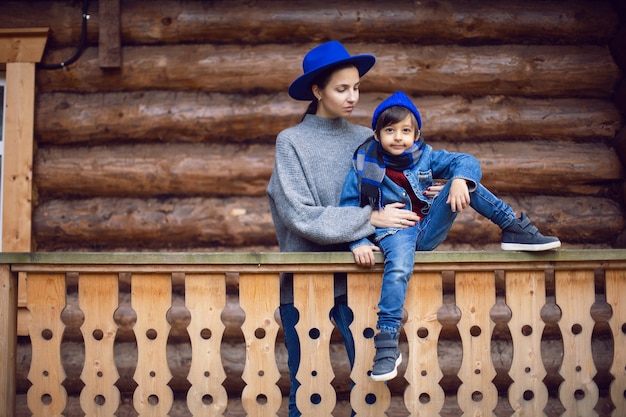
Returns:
<point x="439" y="164"/>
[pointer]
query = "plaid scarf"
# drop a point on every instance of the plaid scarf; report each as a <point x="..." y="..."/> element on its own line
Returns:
<point x="371" y="161"/>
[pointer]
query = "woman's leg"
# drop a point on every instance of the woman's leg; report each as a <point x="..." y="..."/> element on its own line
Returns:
<point x="289" y="316"/>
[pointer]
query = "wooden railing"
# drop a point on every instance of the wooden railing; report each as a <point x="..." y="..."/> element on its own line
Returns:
<point x="486" y="333"/>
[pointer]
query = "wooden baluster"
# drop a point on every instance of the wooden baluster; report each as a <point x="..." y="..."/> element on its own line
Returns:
<point x="575" y="294"/>
<point x="615" y="290"/>
<point x="151" y="298"/>
<point x="205" y="298"/>
<point x="424" y="396"/>
<point x="46" y="301"/>
<point x="259" y="299"/>
<point x="368" y="398"/>
<point x="98" y="300"/>
<point x="314" y="298"/>
<point x="526" y="296"/>
<point x="475" y="296"/>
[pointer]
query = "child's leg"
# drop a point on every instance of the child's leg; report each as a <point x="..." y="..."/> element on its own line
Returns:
<point x="399" y="252"/>
<point x="517" y="233"/>
<point x="435" y="226"/>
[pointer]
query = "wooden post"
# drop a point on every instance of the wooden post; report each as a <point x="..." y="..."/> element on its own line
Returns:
<point x="8" y="340"/>
<point x="20" y="49"/>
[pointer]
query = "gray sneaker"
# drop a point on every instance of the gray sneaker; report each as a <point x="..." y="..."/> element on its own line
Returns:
<point x="387" y="359"/>
<point x="523" y="236"/>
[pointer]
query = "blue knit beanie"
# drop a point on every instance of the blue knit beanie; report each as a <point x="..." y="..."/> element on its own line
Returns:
<point x="397" y="99"/>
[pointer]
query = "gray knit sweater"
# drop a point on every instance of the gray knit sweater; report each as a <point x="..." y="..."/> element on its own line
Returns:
<point x="311" y="164"/>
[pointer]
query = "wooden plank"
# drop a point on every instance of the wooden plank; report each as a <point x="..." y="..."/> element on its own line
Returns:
<point x="110" y="38"/>
<point x="151" y="299"/>
<point x="424" y="298"/>
<point x="368" y="398"/>
<point x="18" y="157"/>
<point x="22" y="44"/>
<point x="98" y="295"/>
<point x="313" y="298"/>
<point x="259" y="299"/>
<point x="525" y="296"/>
<point x="330" y="261"/>
<point x="615" y="292"/>
<point x="46" y="396"/>
<point x="475" y="296"/>
<point x="574" y="292"/>
<point x="205" y="298"/>
<point x="8" y="340"/>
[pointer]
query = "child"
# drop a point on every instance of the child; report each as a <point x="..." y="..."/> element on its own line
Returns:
<point x="395" y="165"/>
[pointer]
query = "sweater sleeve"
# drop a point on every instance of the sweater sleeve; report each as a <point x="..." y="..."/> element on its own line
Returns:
<point x="293" y="189"/>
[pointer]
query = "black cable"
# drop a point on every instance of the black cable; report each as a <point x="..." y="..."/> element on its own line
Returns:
<point x="81" y="45"/>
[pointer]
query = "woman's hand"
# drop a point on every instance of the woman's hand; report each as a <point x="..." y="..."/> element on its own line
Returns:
<point x="459" y="197"/>
<point x="364" y="255"/>
<point x="392" y="215"/>
<point x="434" y="190"/>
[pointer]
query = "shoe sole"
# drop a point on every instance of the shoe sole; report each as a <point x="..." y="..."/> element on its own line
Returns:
<point x="388" y="375"/>
<point x="529" y="247"/>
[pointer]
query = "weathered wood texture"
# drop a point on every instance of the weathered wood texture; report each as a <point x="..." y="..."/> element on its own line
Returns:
<point x="178" y="141"/>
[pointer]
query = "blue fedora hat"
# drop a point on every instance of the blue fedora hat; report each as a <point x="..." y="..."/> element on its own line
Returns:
<point x="322" y="57"/>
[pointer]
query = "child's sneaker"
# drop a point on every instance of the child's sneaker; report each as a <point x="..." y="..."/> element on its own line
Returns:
<point x="387" y="358"/>
<point x="523" y="236"/>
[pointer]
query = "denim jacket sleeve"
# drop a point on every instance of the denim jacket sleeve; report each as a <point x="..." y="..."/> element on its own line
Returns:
<point x="451" y="165"/>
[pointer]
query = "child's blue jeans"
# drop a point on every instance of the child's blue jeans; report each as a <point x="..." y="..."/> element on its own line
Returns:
<point x="399" y="248"/>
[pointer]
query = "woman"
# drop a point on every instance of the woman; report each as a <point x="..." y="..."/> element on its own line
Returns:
<point x="311" y="163"/>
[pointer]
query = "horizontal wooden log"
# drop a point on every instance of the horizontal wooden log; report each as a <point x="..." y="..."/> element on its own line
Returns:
<point x="118" y="224"/>
<point x="302" y="21"/>
<point x="71" y="118"/>
<point x="186" y="170"/>
<point x="233" y="359"/>
<point x="546" y="71"/>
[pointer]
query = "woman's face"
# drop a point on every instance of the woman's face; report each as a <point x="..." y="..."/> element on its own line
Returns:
<point x="340" y="95"/>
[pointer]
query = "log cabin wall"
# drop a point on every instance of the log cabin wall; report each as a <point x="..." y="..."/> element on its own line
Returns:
<point x="166" y="143"/>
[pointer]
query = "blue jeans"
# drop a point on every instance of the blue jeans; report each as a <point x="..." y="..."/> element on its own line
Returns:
<point x="399" y="248"/>
<point x="289" y="316"/>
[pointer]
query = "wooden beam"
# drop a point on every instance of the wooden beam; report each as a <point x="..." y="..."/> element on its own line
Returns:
<point x="109" y="48"/>
<point x="22" y="45"/>
<point x="20" y="49"/>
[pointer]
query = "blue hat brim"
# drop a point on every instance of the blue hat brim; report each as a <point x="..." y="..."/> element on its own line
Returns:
<point x="300" y="88"/>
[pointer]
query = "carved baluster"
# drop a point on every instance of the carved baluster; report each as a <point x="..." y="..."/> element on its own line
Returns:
<point x="46" y="301"/>
<point x="259" y="299"/>
<point x="314" y="298"/>
<point x="151" y="298"/>
<point x="475" y="296"/>
<point x="615" y="290"/>
<point x="575" y="294"/>
<point x="98" y="300"/>
<point x="525" y="296"/>
<point x="368" y="398"/>
<point x="205" y="298"/>
<point x="424" y="396"/>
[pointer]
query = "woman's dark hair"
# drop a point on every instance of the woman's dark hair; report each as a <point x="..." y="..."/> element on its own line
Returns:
<point x="393" y="115"/>
<point x="322" y="81"/>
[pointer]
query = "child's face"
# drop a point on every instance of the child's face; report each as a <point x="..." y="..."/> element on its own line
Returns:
<point x="398" y="137"/>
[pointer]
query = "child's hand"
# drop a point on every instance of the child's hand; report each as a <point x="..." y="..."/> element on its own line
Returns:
<point x="459" y="197"/>
<point x="364" y="255"/>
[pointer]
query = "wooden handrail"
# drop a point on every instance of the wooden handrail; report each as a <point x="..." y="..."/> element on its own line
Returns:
<point x="466" y="303"/>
